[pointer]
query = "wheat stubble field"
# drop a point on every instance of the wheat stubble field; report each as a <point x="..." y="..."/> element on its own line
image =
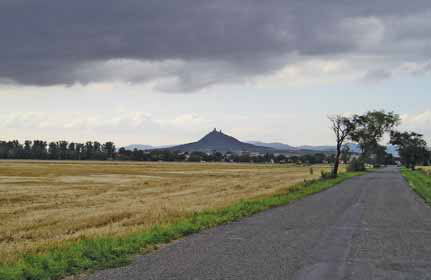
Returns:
<point x="45" y="204"/>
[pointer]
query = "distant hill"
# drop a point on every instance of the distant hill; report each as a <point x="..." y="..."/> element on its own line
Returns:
<point x="275" y="145"/>
<point x="354" y="148"/>
<point x="318" y="149"/>
<point x="220" y="142"/>
<point x="390" y="149"/>
<point x="287" y="147"/>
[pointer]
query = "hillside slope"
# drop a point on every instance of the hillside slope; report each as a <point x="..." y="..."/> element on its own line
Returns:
<point x="220" y="142"/>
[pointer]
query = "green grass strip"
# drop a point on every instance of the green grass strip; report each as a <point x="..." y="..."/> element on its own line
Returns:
<point x="420" y="182"/>
<point x="110" y="252"/>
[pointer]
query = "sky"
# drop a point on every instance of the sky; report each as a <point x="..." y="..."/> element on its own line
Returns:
<point x="168" y="72"/>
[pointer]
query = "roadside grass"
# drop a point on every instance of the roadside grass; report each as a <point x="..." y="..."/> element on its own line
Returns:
<point x="106" y="252"/>
<point x="420" y="181"/>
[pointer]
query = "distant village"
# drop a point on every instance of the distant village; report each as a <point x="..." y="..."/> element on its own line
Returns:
<point x="233" y="157"/>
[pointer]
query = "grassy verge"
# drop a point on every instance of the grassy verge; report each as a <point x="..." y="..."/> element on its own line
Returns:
<point x="114" y="251"/>
<point x="420" y="182"/>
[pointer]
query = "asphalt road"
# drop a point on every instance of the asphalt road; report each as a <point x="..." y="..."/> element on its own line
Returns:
<point x="370" y="227"/>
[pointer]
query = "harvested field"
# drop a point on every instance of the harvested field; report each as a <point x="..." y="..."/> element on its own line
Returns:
<point x="45" y="204"/>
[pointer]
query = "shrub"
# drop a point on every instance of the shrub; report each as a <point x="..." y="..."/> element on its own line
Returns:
<point x="356" y="165"/>
<point x="326" y="174"/>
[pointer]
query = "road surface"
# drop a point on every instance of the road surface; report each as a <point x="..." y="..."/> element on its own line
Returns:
<point x="370" y="227"/>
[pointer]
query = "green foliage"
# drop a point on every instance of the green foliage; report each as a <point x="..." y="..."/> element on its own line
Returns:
<point x="367" y="130"/>
<point x="111" y="252"/>
<point x="370" y="128"/>
<point x="109" y="149"/>
<point x="380" y="156"/>
<point x="61" y="150"/>
<point x="420" y="182"/>
<point x="411" y="147"/>
<point x="356" y="165"/>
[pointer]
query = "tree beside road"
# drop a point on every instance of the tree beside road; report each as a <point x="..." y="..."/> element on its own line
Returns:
<point x="367" y="130"/>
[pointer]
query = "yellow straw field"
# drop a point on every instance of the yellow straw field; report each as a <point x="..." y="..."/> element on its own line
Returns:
<point x="44" y="204"/>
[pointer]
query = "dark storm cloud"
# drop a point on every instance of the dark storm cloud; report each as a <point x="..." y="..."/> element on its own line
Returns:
<point x="45" y="42"/>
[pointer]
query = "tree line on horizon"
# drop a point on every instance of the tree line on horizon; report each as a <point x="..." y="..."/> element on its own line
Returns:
<point x="60" y="150"/>
<point x="94" y="150"/>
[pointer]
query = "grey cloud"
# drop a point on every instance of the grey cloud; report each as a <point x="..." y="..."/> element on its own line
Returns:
<point x="377" y="75"/>
<point x="417" y="69"/>
<point x="188" y="45"/>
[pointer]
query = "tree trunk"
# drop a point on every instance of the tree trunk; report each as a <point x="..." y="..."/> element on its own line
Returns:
<point x="337" y="161"/>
